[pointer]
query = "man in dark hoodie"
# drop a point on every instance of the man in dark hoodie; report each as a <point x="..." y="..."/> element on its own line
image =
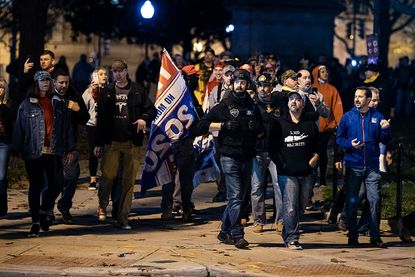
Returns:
<point x="293" y="148"/>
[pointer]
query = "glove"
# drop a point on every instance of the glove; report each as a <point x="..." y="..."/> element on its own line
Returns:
<point x="253" y="125"/>
<point x="231" y="125"/>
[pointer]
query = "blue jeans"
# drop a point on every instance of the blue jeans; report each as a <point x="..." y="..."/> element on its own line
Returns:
<point x="237" y="177"/>
<point x="260" y="166"/>
<point x="296" y="191"/>
<point x="353" y="180"/>
<point x="4" y="161"/>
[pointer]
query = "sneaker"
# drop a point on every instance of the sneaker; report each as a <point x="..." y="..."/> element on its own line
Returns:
<point x="102" y="214"/>
<point x="353" y="242"/>
<point x="342" y="225"/>
<point x="43" y="221"/>
<point x="126" y="227"/>
<point x="225" y="238"/>
<point x="92" y="186"/>
<point x="187" y="216"/>
<point x="222" y="236"/>
<point x="280" y="224"/>
<point x="50" y="218"/>
<point x="332" y="218"/>
<point x="167" y="215"/>
<point x="258" y="228"/>
<point x="34" y="231"/>
<point x="177" y="211"/>
<point x="240" y="243"/>
<point x="377" y="243"/>
<point x="66" y="215"/>
<point x="294" y="245"/>
<point x="219" y="197"/>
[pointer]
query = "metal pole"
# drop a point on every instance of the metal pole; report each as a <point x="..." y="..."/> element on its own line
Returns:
<point x="399" y="183"/>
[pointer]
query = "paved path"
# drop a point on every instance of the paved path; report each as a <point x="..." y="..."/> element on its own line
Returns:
<point x="174" y="248"/>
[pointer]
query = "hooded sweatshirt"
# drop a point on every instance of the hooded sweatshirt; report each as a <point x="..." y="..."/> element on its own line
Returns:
<point x="332" y="100"/>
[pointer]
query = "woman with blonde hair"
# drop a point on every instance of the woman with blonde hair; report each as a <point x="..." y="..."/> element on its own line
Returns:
<point x="5" y="139"/>
<point x="91" y="95"/>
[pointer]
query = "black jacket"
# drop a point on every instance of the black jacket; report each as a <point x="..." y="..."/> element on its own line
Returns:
<point x="80" y="117"/>
<point x="238" y="144"/>
<point x="139" y="107"/>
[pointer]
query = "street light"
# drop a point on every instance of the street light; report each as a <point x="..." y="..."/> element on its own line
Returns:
<point x="229" y="28"/>
<point x="147" y="10"/>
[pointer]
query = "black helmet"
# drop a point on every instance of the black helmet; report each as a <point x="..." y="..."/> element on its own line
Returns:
<point x="241" y="74"/>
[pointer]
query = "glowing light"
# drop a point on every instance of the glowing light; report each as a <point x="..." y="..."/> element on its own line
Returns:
<point x="147" y="10"/>
<point x="230" y="28"/>
<point x="354" y="62"/>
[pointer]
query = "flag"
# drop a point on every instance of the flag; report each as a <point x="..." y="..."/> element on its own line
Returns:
<point x="206" y="169"/>
<point x="175" y="114"/>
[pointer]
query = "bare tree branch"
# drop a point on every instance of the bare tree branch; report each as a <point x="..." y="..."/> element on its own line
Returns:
<point x="403" y="25"/>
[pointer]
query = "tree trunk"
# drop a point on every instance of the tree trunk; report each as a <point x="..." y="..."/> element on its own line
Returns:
<point x="385" y="29"/>
<point x="32" y="17"/>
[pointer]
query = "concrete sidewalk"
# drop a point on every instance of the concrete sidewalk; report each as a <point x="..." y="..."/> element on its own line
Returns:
<point x="174" y="248"/>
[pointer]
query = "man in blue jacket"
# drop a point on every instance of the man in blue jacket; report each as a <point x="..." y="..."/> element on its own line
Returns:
<point x="359" y="133"/>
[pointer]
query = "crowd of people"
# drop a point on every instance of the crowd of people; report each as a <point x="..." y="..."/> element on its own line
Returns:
<point x="270" y="125"/>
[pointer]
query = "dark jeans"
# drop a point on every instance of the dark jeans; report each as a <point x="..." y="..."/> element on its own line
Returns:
<point x="238" y="179"/>
<point x="184" y="159"/>
<point x="51" y="167"/>
<point x="4" y="161"/>
<point x="93" y="160"/>
<point x="221" y="185"/>
<point x="353" y="181"/>
<point x="70" y="175"/>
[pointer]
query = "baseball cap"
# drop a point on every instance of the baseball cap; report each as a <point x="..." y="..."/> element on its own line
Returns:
<point x="372" y="67"/>
<point x="119" y="65"/>
<point x="295" y="93"/>
<point x="41" y="75"/>
<point x="228" y="68"/>
<point x="289" y="74"/>
<point x="190" y="70"/>
<point x="242" y="74"/>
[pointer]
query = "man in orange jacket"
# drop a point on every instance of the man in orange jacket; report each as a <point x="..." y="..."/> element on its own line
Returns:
<point x="328" y="125"/>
